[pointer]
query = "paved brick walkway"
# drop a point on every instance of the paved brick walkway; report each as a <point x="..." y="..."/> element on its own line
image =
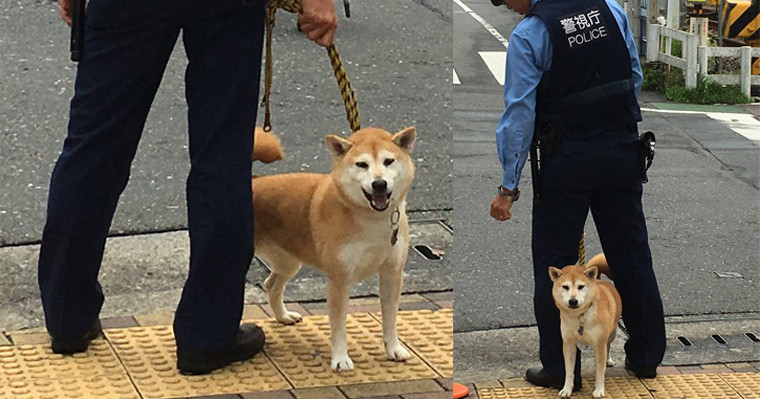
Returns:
<point x="135" y="358"/>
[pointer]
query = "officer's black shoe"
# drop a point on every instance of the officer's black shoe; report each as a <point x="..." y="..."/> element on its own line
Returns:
<point x="79" y="344"/>
<point x="248" y="342"/>
<point x="640" y="372"/>
<point x="537" y="376"/>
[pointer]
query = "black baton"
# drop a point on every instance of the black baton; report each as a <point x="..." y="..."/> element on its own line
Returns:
<point x="77" y="30"/>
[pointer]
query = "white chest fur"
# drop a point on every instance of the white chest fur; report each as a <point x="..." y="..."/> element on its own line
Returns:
<point x="582" y="329"/>
<point x="370" y="248"/>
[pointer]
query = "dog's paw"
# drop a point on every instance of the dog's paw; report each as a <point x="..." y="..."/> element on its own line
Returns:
<point x="598" y="393"/>
<point x="397" y="352"/>
<point x="341" y="363"/>
<point x="566" y="392"/>
<point x="610" y="363"/>
<point x="290" y="318"/>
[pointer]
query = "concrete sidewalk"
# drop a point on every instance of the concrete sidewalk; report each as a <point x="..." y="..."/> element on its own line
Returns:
<point x="135" y="358"/>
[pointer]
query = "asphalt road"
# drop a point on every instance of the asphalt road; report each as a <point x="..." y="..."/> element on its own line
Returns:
<point x="397" y="54"/>
<point x="702" y="202"/>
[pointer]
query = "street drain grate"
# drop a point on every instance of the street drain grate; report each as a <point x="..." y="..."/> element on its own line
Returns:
<point x="717" y="338"/>
<point x="684" y="341"/>
<point x="752" y="337"/>
<point x="427" y="252"/>
<point x="729" y="275"/>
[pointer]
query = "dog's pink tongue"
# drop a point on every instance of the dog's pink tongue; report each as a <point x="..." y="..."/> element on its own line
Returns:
<point x="380" y="201"/>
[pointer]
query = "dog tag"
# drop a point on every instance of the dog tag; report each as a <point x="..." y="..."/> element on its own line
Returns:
<point x="394" y="236"/>
<point x="580" y="330"/>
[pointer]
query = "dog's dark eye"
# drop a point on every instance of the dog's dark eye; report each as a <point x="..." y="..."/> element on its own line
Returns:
<point x="567" y="288"/>
<point x="362" y="165"/>
<point x="388" y="161"/>
<point x="580" y="287"/>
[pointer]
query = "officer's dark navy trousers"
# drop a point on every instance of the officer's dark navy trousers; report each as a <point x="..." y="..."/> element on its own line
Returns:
<point x="606" y="180"/>
<point x="127" y="46"/>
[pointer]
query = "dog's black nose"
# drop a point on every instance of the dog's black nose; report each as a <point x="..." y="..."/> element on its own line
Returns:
<point x="379" y="185"/>
<point x="572" y="302"/>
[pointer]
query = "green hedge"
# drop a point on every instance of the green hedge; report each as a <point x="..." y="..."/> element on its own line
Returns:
<point x="658" y="77"/>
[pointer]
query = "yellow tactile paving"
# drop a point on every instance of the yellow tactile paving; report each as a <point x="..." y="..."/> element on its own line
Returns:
<point x="148" y="354"/>
<point x="116" y="386"/>
<point x="25" y="362"/>
<point x="521" y="393"/>
<point x="614" y="387"/>
<point x="690" y="386"/>
<point x="302" y="353"/>
<point x="746" y="384"/>
<point x="430" y="334"/>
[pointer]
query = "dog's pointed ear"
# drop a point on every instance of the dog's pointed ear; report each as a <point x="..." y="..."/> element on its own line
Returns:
<point x="405" y="138"/>
<point x="592" y="272"/>
<point x="554" y="273"/>
<point x="338" y="146"/>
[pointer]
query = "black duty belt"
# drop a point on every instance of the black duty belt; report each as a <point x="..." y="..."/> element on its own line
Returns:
<point x="593" y="94"/>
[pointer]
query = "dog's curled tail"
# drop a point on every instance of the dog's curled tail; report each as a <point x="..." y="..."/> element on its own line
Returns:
<point x="266" y="146"/>
<point x="600" y="261"/>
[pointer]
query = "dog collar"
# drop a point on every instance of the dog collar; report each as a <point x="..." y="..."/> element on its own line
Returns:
<point x="582" y="319"/>
<point x="395" y="216"/>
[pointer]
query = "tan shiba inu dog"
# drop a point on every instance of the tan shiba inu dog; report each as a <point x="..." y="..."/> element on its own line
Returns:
<point x="589" y="311"/>
<point x="350" y="224"/>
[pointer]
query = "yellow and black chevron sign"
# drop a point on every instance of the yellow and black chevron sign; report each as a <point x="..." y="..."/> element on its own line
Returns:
<point x="741" y="19"/>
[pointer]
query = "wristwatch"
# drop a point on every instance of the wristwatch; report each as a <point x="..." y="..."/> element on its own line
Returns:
<point x="509" y="195"/>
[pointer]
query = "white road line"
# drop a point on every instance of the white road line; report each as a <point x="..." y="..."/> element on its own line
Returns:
<point x="743" y="124"/>
<point x="496" y="62"/>
<point x="456" y="77"/>
<point x="495" y="33"/>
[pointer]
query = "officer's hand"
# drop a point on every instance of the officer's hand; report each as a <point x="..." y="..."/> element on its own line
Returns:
<point x="318" y="20"/>
<point x="501" y="208"/>
<point x="67" y="8"/>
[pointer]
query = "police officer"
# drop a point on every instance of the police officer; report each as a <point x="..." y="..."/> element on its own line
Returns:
<point x="573" y="78"/>
<point x="126" y="49"/>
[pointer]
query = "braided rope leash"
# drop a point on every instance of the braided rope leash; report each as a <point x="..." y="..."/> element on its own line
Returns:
<point x="346" y="90"/>
<point x="582" y="250"/>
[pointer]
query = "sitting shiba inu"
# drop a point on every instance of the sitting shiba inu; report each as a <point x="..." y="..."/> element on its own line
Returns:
<point x="589" y="311"/>
<point x="350" y="224"/>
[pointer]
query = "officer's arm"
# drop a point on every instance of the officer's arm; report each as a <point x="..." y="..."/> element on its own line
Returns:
<point x="638" y="76"/>
<point x="526" y="61"/>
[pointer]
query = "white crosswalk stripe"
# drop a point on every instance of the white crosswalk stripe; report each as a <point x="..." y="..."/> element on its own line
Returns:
<point x="496" y="61"/>
<point x="743" y="124"/>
